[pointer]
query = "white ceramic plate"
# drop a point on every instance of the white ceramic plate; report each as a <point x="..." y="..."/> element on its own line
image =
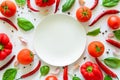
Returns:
<point x="59" y="40"/>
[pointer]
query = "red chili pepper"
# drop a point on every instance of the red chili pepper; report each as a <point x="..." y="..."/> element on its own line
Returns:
<point x="65" y="73"/>
<point x="8" y="63"/>
<point x="31" y="72"/>
<point x="105" y="69"/>
<point x="57" y="5"/>
<point x="107" y="12"/>
<point x="95" y="4"/>
<point x="29" y="6"/>
<point x="113" y="42"/>
<point x="8" y="21"/>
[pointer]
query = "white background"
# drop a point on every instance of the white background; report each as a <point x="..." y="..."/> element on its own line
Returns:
<point x="28" y="36"/>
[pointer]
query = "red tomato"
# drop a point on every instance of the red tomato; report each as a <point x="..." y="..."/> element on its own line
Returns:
<point x="96" y="48"/>
<point x="25" y="56"/>
<point x="83" y="14"/>
<point x="8" y="8"/>
<point x="51" y="78"/>
<point x="113" y="22"/>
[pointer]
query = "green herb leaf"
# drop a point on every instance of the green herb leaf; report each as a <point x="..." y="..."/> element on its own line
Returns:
<point x="94" y="32"/>
<point x="110" y="3"/>
<point x="44" y="70"/>
<point x="107" y="77"/>
<point x="112" y="62"/>
<point x="25" y="24"/>
<point x="9" y="74"/>
<point x="20" y="2"/>
<point x="117" y="34"/>
<point x="75" y="78"/>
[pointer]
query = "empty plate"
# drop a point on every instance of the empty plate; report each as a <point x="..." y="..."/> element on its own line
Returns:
<point x="59" y="40"/>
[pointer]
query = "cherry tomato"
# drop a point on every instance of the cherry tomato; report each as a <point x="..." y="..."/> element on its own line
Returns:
<point x="51" y="78"/>
<point x="83" y="14"/>
<point x="25" y="56"/>
<point x="113" y="22"/>
<point x="96" y="48"/>
<point x="8" y="8"/>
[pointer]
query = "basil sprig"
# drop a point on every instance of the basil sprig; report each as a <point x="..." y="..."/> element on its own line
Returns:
<point x="94" y="32"/>
<point x="112" y="62"/>
<point x="107" y="77"/>
<point x="9" y="74"/>
<point x="110" y="3"/>
<point x="25" y="24"/>
<point x="117" y="34"/>
<point x="20" y="2"/>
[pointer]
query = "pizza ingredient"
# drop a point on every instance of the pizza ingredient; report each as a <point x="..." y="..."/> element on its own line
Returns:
<point x="57" y="5"/>
<point x="44" y="3"/>
<point x="65" y="73"/>
<point x="107" y="77"/>
<point x="8" y="21"/>
<point x="112" y="62"/>
<point x="8" y="8"/>
<point x="67" y="5"/>
<point x="83" y="14"/>
<point x="51" y="77"/>
<point x="96" y="48"/>
<point x="89" y="71"/>
<point x="20" y="2"/>
<point x="9" y="74"/>
<point x="30" y="6"/>
<point x="95" y="4"/>
<point x="113" y="42"/>
<point x="25" y="56"/>
<point x="117" y="34"/>
<point x="31" y="72"/>
<point x="94" y="32"/>
<point x="25" y="24"/>
<point x="113" y="22"/>
<point x="5" y="46"/>
<point x="8" y="63"/>
<point x="110" y="3"/>
<point x="44" y="70"/>
<point x="105" y="69"/>
<point x="107" y="12"/>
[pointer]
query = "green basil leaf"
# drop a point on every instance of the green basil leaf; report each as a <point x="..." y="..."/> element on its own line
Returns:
<point x="112" y="62"/>
<point x="94" y="32"/>
<point x="107" y="77"/>
<point x="110" y="3"/>
<point x="44" y="70"/>
<point x="9" y="74"/>
<point x="117" y="34"/>
<point x="20" y="2"/>
<point x="76" y="78"/>
<point x="25" y="24"/>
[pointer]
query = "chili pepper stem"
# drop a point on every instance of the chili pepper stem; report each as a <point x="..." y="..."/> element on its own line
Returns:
<point x="18" y="79"/>
<point x="117" y="77"/>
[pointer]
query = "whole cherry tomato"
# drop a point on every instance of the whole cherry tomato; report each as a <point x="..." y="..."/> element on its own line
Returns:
<point x="83" y="14"/>
<point x="25" y="56"/>
<point x="113" y="22"/>
<point x="8" y="8"/>
<point x="96" y="48"/>
<point x="51" y="78"/>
